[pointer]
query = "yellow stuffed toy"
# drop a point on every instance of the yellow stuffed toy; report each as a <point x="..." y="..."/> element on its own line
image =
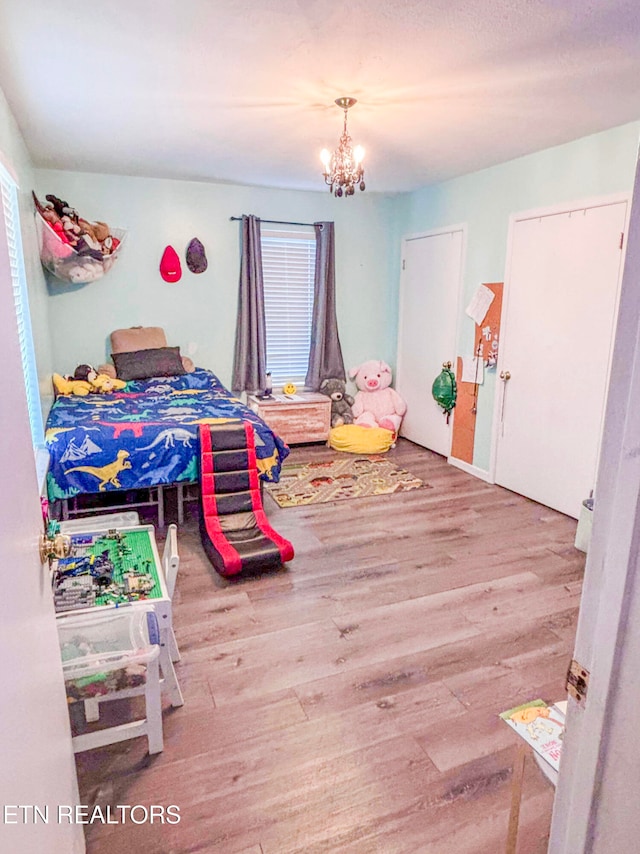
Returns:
<point x="86" y="381"/>
<point x="69" y="385"/>
<point x="104" y="384"/>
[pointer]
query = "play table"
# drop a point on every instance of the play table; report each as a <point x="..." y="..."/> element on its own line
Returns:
<point x="117" y="568"/>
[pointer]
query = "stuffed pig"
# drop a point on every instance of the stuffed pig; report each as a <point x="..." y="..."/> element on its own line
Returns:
<point x="376" y="403"/>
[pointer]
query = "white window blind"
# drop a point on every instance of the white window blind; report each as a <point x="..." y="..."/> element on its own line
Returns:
<point x="13" y="239"/>
<point x="288" y="265"/>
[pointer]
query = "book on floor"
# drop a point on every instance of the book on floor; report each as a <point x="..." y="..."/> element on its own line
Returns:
<point x="541" y="726"/>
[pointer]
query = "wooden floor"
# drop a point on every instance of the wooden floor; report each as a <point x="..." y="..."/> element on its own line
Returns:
<point x="349" y="704"/>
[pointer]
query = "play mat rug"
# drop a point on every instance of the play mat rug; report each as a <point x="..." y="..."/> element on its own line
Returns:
<point x="332" y="480"/>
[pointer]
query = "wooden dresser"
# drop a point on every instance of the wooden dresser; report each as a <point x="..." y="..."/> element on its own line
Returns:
<point x="296" y="421"/>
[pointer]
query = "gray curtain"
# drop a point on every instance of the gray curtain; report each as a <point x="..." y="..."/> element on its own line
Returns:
<point x="325" y="357"/>
<point x="250" y="356"/>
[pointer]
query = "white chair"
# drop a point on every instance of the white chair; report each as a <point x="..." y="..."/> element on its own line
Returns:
<point x="112" y="656"/>
<point x="170" y="558"/>
<point x="170" y="566"/>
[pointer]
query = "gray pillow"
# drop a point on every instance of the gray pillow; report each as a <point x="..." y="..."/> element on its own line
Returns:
<point x="144" y="364"/>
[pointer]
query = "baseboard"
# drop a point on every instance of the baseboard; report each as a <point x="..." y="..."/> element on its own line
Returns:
<point x="474" y="470"/>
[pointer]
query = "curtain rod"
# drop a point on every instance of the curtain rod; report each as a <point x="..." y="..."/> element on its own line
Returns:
<point x="274" y="221"/>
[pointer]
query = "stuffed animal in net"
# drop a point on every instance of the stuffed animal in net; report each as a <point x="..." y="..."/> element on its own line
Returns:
<point x="341" y="402"/>
<point x="74" y="249"/>
<point x="86" y="380"/>
<point x="91" y="239"/>
<point x="376" y="403"/>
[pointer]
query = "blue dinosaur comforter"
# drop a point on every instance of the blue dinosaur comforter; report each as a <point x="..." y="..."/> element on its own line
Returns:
<point x="145" y="435"/>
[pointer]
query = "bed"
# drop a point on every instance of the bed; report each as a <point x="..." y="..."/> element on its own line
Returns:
<point x="145" y="436"/>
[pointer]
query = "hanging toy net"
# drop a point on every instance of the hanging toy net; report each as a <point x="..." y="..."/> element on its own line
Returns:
<point x="73" y="249"/>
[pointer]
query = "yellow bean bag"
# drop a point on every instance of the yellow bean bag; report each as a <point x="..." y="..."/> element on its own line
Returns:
<point x="360" y="440"/>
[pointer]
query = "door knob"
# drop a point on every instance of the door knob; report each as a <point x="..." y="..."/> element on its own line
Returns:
<point x="54" y="547"/>
<point x="446" y="366"/>
<point x="505" y="375"/>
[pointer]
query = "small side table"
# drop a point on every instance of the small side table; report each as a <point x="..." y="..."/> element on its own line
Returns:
<point x="304" y="419"/>
<point x="523" y="751"/>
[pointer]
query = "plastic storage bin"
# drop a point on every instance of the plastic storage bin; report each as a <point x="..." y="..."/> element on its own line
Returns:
<point x="101" y="522"/>
<point x="110" y="657"/>
<point x="61" y="259"/>
<point x="93" y="645"/>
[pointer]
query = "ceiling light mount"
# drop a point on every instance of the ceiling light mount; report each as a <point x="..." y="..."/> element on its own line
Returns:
<point x="345" y="103"/>
<point x="343" y="171"/>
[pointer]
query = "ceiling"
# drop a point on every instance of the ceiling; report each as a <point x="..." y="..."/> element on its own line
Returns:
<point x="242" y="90"/>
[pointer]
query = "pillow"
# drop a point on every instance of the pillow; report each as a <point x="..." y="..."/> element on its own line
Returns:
<point x="137" y="338"/>
<point x="144" y="338"/>
<point x="357" y="439"/>
<point x="144" y="364"/>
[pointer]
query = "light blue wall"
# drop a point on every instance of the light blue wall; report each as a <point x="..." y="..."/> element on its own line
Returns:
<point x="199" y="312"/>
<point x="597" y="165"/>
<point x="16" y="158"/>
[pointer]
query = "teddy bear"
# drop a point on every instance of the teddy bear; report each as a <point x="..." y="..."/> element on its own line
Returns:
<point x="101" y="382"/>
<point x="69" y="385"/>
<point x="86" y="380"/>
<point x="376" y="403"/>
<point x="341" y="402"/>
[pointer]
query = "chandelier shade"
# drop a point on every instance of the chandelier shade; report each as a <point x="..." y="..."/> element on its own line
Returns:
<point x="343" y="170"/>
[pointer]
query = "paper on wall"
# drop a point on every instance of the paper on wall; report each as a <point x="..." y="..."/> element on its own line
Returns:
<point x="472" y="370"/>
<point x="479" y="305"/>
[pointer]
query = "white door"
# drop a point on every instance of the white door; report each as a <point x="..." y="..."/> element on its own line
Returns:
<point x="592" y="807"/>
<point x="562" y="295"/>
<point x="38" y="768"/>
<point x="429" y="289"/>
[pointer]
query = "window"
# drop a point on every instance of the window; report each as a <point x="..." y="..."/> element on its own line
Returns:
<point x="9" y="193"/>
<point x="288" y="267"/>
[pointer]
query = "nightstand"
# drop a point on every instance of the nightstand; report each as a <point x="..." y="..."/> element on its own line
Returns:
<point x="306" y="419"/>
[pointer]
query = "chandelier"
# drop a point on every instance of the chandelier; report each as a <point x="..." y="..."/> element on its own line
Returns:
<point x="343" y="170"/>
